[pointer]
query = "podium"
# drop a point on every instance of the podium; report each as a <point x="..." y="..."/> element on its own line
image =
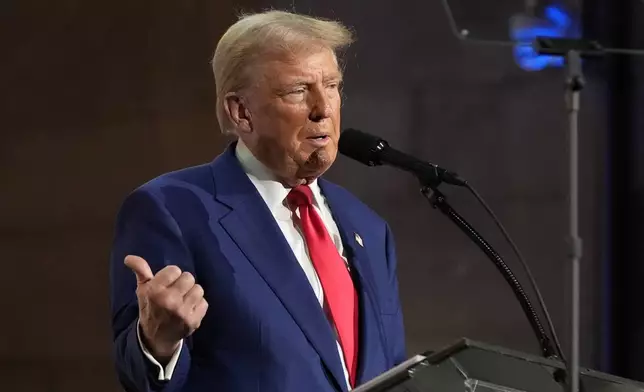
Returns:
<point x="470" y="366"/>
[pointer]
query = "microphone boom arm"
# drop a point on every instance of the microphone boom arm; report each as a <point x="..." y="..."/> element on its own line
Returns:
<point x="438" y="201"/>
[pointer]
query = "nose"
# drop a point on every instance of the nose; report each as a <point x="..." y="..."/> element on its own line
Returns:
<point x="320" y="105"/>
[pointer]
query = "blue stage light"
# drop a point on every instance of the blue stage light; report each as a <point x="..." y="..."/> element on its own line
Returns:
<point x="556" y="23"/>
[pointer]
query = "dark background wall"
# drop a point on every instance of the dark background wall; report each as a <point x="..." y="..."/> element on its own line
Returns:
<point x="98" y="97"/>
<point x="624" y="325"/>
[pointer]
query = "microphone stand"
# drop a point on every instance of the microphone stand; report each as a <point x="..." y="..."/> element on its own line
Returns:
<point x="438" y="201"/>
<point x="572" y="50"/>
<point x="574" y="84"/>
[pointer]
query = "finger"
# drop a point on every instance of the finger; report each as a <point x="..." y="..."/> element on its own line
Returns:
<point x="167" y="276"/>
<point x="201" y="308"/>
<point x="194" y="296"/>
<point x="199" y="313"/>
<point x="182" y="285"/>
<point x="140" y="267"/>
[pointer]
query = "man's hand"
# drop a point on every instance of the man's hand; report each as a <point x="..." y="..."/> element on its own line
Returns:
<point x="171" y="306"/>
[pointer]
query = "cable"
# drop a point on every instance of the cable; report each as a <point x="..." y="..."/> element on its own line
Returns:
<point x="525" y="267"/>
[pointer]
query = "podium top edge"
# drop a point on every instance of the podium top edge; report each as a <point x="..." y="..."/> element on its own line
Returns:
<point x="465" y="343"/>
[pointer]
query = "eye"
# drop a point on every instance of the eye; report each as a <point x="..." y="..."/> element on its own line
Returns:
<point x="296" y="89"/>
<point x="295" y="95"/>
<point x="335" y="85"/>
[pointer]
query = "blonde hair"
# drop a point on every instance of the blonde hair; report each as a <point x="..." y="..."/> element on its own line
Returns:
<point x="257" y="34"/>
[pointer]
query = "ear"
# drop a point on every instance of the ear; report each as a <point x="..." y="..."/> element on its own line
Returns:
<point x="238" y="112"/>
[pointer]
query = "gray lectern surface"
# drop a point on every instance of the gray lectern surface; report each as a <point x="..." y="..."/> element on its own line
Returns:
<point x="478" y="367"/>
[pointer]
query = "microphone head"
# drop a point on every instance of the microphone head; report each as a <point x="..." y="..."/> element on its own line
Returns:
<point x="361" y="146"/>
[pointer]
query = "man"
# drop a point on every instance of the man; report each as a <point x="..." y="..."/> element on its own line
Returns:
<point x="250" y="273"/>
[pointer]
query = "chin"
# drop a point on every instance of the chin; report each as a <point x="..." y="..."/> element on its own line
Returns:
<point x="318" y="163"/>
<point x="324" y="156"/>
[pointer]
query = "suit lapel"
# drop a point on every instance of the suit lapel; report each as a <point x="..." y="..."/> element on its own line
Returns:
<point x="253" y="228"/>
<point x="370" y="328"/>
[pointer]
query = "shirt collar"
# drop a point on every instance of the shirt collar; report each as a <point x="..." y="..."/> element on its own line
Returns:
<point x="272" y="191"/>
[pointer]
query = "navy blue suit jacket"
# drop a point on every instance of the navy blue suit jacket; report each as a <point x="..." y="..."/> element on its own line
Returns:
<point x="264" y="329"/>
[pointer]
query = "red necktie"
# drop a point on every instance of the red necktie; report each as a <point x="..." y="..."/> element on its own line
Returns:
<point x="340" y="296"/>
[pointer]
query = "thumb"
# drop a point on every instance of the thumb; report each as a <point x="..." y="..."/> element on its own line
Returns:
<point x="140" y="268"/>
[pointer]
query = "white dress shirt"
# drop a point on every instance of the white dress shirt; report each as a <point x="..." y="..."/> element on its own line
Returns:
<point x="274" y="195"/>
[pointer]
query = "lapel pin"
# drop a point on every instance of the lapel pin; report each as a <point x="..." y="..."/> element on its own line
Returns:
<point x="359" y="239"/>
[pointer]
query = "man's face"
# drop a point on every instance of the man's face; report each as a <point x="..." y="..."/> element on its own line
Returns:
<point x="293" y="109"/>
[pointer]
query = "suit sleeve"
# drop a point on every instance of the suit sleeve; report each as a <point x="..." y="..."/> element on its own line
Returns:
<point x="144" y="228"/>
<point x="395" y="325"/>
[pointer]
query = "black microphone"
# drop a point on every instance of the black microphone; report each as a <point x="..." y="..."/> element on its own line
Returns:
<point x="374" y="151"/>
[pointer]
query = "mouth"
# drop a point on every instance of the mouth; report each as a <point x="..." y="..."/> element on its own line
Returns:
<point x="320" y="140"/>
<point x="320" y="137"/>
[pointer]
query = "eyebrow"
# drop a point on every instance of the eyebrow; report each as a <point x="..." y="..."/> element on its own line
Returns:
<point x="295" y="82"/>
<point x="337" y="76"/>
